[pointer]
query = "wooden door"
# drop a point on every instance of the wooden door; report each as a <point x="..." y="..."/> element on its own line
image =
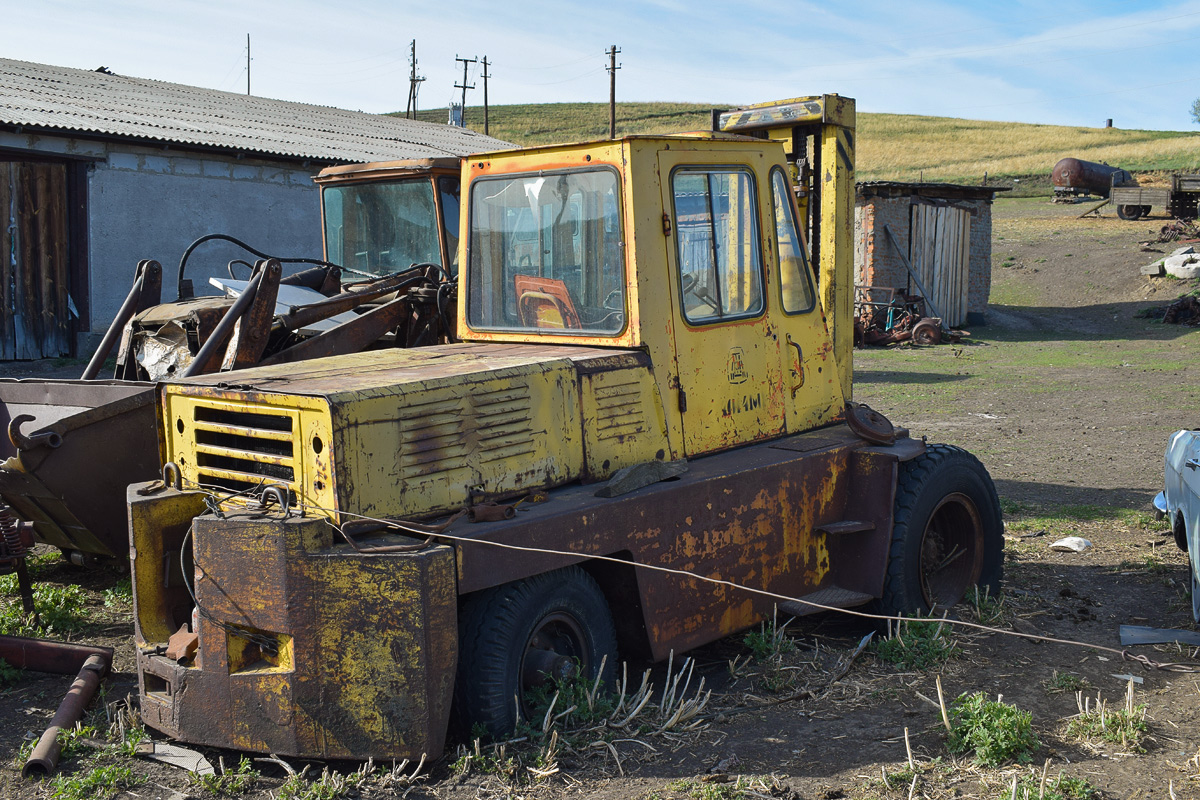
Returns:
<point x="34" y="270"/>
<point x="940" y="249"/>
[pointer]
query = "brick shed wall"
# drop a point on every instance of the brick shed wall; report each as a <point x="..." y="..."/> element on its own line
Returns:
<point x="876" y="262"/>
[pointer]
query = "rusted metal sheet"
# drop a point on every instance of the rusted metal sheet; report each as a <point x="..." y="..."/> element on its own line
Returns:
<point x="73" y="501"/>
<point x="307" y="648"/>
<point x="749" y="517"/>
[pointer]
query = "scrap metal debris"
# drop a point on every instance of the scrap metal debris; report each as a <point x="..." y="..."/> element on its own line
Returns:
<point x="1184" y="311"/>
<point x="1177" y="230"/>
<point x="884" y="315"/>
<point x="1141" y="634"/>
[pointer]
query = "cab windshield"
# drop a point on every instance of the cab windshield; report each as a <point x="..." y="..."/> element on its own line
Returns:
<point x="545" y="252"/>
<point x="382" y="228"/>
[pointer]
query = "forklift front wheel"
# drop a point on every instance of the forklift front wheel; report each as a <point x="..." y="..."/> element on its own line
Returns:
<point x="948" y="536"/>
<point x="520" y="636"/>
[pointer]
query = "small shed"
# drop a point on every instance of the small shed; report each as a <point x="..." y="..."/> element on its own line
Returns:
<point x="99" y="171"/>
<point x="942" y="231"/>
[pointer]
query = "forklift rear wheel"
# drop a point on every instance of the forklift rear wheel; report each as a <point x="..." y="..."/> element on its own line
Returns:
<point x="527" y="634"/>
<point x="948" y="536"/>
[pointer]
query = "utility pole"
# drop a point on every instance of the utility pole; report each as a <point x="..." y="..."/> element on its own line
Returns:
<point x="612" y="90"/>
<point x="486" y="130"/>
<point x="414" y="83"/>
<point x="247" y="64"/>
<point x="464" y="86"/>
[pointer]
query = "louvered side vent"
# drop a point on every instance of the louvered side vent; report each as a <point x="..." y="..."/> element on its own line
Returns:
<point x="502" y="422"/>
<point x="238" y="450"/>
<point x="619" y="409"/>
<point x="432" y="436"/>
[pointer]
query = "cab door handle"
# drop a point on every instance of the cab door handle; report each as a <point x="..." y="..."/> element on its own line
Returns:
<point x="1192" y="463"/>
<point x="799" y="370"/>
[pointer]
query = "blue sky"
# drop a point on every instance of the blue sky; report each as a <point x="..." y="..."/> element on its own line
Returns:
<point x="1069" y="62"/>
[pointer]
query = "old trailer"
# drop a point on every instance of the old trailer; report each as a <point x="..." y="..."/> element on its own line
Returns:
<point x="1177" y="200"/>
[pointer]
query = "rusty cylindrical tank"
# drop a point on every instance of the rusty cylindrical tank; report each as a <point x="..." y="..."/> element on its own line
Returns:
<point x="1071" y="176"/>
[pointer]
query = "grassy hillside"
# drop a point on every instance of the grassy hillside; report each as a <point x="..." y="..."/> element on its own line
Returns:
<point x="901" y="147"/>
<point x="551" y="123"/>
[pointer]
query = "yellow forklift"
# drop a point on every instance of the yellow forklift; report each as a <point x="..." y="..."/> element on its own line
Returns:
<point x="653" y="369"/>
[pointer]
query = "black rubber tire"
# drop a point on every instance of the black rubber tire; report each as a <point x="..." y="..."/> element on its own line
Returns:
<point x="945" y="500"/>
<point x="1179" y="532"/>
<point x="564" y="608"/>
<point x="1129" y="212"/>
<point x="927" y="332"/>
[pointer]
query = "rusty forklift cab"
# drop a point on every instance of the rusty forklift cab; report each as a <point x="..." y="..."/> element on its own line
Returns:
<point x="383" y="216"/>
<point x="622" y="304"/>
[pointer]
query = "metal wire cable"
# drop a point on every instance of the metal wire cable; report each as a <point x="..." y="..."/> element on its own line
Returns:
<point x="422" y="530"/>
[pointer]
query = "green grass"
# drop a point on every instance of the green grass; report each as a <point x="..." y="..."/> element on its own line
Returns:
<point x="1060" y="788"/>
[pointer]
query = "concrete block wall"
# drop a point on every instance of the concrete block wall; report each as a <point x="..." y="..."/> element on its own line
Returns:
<point x="148" y="202"/>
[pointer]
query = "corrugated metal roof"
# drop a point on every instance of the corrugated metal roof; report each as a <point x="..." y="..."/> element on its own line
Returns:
<point x="86" y="102"/>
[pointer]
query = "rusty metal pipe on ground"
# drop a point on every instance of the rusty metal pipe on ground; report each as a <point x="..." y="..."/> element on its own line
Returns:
<point x="44" y="759"/>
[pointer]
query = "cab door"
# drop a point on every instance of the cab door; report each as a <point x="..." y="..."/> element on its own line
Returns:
<point x="726" y="353"/>
<point x="812" y="392"/>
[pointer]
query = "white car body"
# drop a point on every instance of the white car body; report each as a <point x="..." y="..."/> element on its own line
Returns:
<point x="1179" y="501"/>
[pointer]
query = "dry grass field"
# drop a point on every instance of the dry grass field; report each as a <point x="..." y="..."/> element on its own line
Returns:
<point x="900" y="147"/>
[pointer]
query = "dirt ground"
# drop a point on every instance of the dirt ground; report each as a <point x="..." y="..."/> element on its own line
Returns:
<point x="1068" y="396"/>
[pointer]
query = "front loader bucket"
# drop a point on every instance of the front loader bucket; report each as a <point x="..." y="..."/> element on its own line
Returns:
<point x="66" y="469"/>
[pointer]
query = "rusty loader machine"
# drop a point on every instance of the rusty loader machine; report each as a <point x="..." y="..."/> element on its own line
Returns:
<point x="346" y="554"/>
<point x="68" y="448"/>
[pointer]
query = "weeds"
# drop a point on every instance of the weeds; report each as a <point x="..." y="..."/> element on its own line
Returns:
<point x="916" y="644"/>
<point x="590" y="720"/>
<point x="8" y="673"/>
<point x="740" y="788"/>
<point x="224" y="783"/>
<point x="994" y="730"/>
<point x="330" y="785"/>
<point x="1060" y="788"/>
<point x="984" y="608"/>
<point x="1124" y="726"/>
<point x="120" y="595"/>
<point x="60" y="610"/>
<point x="769" y="640"/>
<point x="1065" y="682"/>
<point x="100" y="783"/>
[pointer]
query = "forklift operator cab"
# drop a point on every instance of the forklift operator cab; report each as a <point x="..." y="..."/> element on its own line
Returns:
<point x="716" y="285"/>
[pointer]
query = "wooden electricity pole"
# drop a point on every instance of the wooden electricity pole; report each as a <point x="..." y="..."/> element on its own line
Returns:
<point x="464" y="86"/>
<point x="612" y="90"/>
<point x="414" y="83"/>
<point x="486" y="130"/>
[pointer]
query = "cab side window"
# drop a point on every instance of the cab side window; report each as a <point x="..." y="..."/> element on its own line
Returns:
<point x="794" y="275"/>
<point x="716" y="236"/>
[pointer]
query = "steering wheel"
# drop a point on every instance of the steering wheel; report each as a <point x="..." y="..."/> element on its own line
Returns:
<point x="691" y="286"/>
